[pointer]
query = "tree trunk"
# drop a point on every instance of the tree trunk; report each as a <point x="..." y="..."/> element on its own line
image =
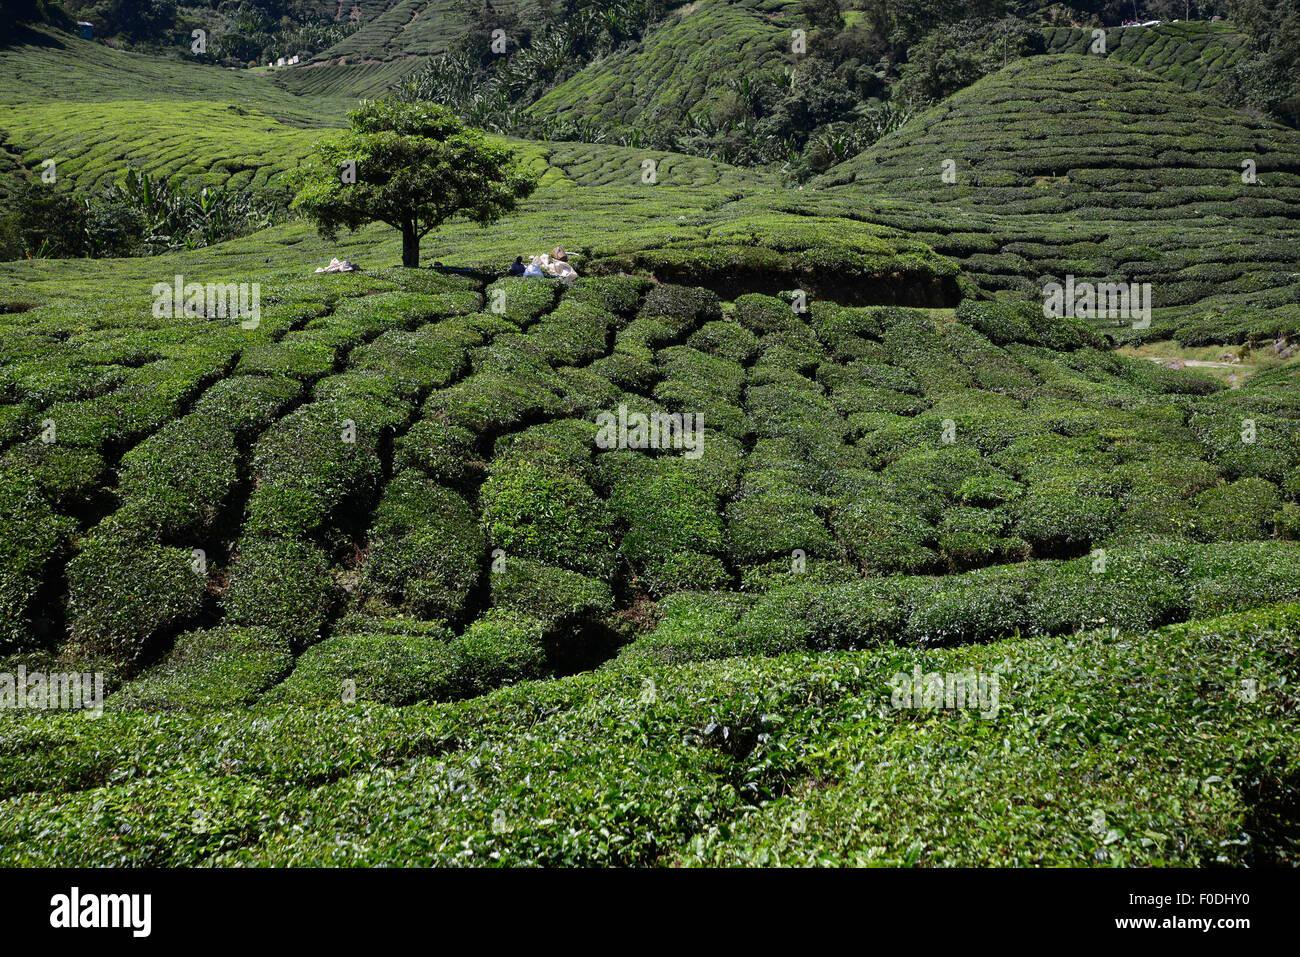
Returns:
<point x="410" y="248"/>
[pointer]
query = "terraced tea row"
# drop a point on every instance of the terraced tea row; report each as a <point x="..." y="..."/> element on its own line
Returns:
<point x="208" y="143"/>
<point x="589" y="164"/>
<point x="1117" y="177"/>
<point x="200" y="142"/>
<point x="1196" y="56"/>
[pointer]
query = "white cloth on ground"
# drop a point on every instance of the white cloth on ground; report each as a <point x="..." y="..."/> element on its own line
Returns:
<point x="338" y="265"/>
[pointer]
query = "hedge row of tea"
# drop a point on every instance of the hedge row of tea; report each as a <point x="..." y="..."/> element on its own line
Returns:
<point x="1135" y="586"/>
<point x="1197" y="55"/>
<point x="807" y="759"/>
<point x="589" y="164"/>
<point x="1083" y="166"/>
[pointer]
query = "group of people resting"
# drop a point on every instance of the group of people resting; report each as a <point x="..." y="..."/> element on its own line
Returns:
<point x="553" y="266"/>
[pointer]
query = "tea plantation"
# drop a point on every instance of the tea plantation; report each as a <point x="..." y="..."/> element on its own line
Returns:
<point x="44" y="66"/>
<point x="369" y="586"/>
<point x="1079" y="165"/>
<point x="682" y="68"/>
<point x="1197" y="56"/>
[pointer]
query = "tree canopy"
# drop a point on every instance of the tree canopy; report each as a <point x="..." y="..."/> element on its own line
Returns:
<point x="412" y="166"/>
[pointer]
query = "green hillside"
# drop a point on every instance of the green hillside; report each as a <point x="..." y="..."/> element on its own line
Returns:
<point x="417" y="28"/>
<point x="348" y="78"/>
<point x="1078" y="165"/>
<point x="683" y="66"/>
<point x="391" y="44"/>
<point x="51" y="67"/>
<point x="205" y="142"/>
<point x="1195" y="55"/>
<point x="209" y="143"/>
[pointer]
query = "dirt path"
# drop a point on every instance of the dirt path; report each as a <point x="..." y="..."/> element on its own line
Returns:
<point x="1196" y="363"/>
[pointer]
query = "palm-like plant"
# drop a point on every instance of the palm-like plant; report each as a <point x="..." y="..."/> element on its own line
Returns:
<point x="174" y="219"/>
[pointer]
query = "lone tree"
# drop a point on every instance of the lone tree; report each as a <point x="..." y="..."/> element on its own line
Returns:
<point x="412" y="166"/>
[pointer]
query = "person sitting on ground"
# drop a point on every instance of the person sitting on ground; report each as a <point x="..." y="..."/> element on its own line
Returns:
<point x="517" y="267"/>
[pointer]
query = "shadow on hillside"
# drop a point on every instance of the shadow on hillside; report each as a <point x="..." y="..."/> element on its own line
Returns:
<point x="581" y="645"/>
<point x="24" y="36"/>
<point x="901" y="288"/>
<point x="1272" y="820"/>
<point x="932" y="293"/>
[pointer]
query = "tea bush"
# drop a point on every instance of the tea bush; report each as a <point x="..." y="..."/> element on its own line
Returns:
<point x="386" y="668"/>
<point x="426" y="550"/>
<point x="217" y="668"/>
<point x="34" y="537"/>
<point x="283" y="584"/>
<point x="124" y="594"/>
<point x="445" y="453"/>
<point x="310" y="463"/>
<point x="554" y="596"/>
<point x="548" y="515"/>
<point x="1240" y="510"/>
<point x="178" y="480"/>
